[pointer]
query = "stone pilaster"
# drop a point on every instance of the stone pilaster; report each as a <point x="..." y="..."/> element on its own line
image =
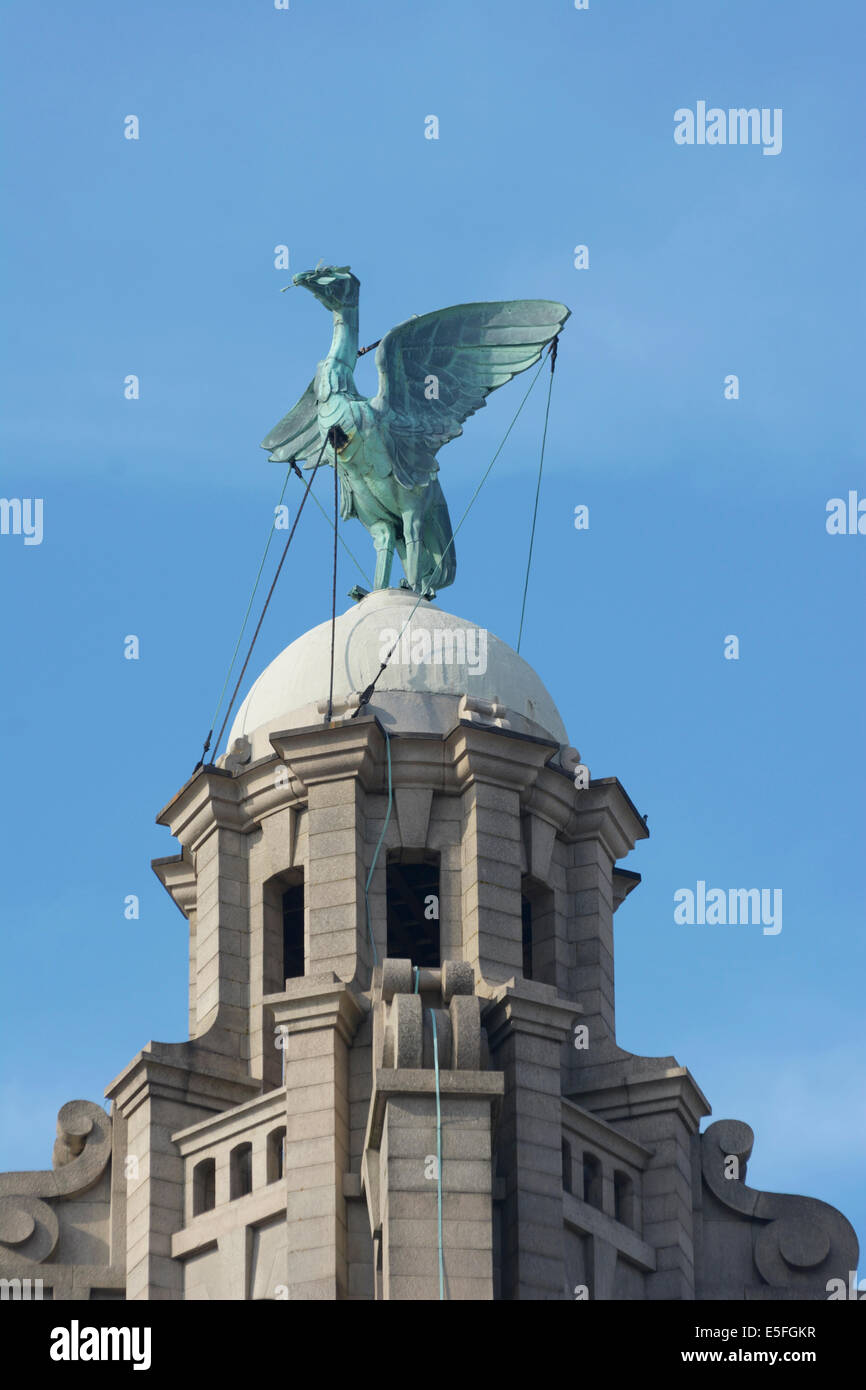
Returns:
<point x="165" y="1088"/>
<point x="335" y="766"/>
<point x="527" y="1025"/>
<point x="607" y="828"/>
<point x="222" y="937"/>
<point x="318" y="1017"/>
<point x="207" y="818"/>
<point x="492" y="769"/>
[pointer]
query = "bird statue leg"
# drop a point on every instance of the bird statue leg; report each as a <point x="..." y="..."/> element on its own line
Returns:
<point x="412" y="541"/>
<point x="383" y="540"/>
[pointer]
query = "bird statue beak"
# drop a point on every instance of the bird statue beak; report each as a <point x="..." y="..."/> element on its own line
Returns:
<point x="286" y="287"/>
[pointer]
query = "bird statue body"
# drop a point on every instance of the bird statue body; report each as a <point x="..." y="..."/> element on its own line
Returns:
<point x="434" y="371"/>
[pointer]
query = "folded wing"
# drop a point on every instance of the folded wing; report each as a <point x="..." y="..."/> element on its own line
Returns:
<point x="297" y="434"/>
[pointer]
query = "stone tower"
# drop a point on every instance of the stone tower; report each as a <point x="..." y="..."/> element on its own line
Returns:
<point x="402" y="1079"/>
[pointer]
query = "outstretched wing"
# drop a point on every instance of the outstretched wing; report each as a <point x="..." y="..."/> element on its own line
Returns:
<point x="435" y="371"/>
<point x="297" y="434"/>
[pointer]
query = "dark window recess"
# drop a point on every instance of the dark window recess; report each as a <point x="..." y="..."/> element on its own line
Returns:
<point x="293" y="931"/>
<point x="413" y="912"/>
<point x="526" y="909"/>
<point x="566" y="1166"/>
<point x="241" y="1171"/>
<point x="622" y="1198"/>
<point x="592" y="1180"/>
<point x="204" y="1186"/>
<point x="276" y="1154"/>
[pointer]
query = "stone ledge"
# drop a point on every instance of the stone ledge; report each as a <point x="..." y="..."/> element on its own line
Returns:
<point x="589" y="1221"/>
<point x="205" y="1230"/>
<point x="582" y="1124"/>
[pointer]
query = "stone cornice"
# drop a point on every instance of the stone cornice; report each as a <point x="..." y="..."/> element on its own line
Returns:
<point x="332" y="753"/>
<point x="606" y="812"/>
<point x="237" y="1121"/>
<point x="266" y="786"/>
<point x="176" y="873"/>
<point x="624" y="881"/>
<point x="184" y="1072"/>
<point x="317" y="1001"/>
<point x="449" y="764"/>
<point x="414" y="1081"/>
<point x="554" y="798"/>
<point x="527" y="1006"/>
<point x="496" y="756"/>
<point x="644" y="1089"/>
<point x="208" y="800"/>
<point x="576" y="1119"/>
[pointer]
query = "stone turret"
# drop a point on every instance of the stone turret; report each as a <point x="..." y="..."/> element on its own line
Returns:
<point x="402" y="1079"/>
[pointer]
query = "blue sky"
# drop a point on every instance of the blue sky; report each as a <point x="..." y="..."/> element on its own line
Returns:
<point x="707" y="516"/>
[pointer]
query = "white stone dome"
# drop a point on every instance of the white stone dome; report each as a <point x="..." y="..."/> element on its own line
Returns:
<point x="439" y="659"/>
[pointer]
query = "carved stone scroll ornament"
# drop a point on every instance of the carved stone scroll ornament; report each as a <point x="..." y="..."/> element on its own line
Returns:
<point x="801" y="1242"/>
<point x="29" y="1227"/>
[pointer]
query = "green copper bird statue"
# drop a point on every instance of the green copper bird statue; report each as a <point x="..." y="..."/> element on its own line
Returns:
<point x="434" y="372"/>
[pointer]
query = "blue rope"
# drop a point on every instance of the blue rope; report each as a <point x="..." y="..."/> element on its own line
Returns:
<point x="417" y="979"/>
<point x="535" y="509"/>
<point x="378" y="847"/>
<point x="438" y="1155"/>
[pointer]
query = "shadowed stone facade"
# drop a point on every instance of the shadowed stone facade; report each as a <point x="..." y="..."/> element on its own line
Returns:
<point x="378" y="1128"/>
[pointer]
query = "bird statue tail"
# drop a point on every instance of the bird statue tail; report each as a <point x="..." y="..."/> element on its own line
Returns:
<point x="438" y="541"/>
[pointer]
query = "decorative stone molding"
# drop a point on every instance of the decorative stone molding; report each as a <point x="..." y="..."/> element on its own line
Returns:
<point x="81" y="1154"/>
<point x="207" y="801"/>
<point x="480" y="711"/>
<point x="341" y="709"/>
<point x="176" y="873"/>
<point x="412" y="1082"/>
<point x="238" y="756"/>
<point x="800" y="1242"/>
<point x="38" y="1210"/>
<point x="332" y="754"/>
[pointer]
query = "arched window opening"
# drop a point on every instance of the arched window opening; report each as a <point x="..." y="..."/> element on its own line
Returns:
<point x="293" y="931"/>
<point x="241" y="1171"/>
<point x="276" y="1154"/>
<point x="538" y="917"/>
<point x="204" y="1186"/>
<point x="413" y="907"/>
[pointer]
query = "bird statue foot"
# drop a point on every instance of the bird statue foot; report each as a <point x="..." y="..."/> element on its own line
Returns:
<point x="358" y="593"/>
<point x="427" y="593"/>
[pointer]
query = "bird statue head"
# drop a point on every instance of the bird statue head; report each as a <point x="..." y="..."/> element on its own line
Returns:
<point x="333" y="285"/>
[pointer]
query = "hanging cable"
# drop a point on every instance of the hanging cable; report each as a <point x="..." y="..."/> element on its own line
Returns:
<point x="206" y="744"/>
<point x="265" y="608"/>
<point x="355" y="561"/>
<point x="438" y="1157"/>
<point x="553" y="347"/>
<point x="366" y="694"/>
<point x="333" y="590"/>
<point x="378" y="847"/>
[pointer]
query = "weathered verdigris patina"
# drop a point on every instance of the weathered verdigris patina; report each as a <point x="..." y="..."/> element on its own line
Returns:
<point x="434" y="372"/>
